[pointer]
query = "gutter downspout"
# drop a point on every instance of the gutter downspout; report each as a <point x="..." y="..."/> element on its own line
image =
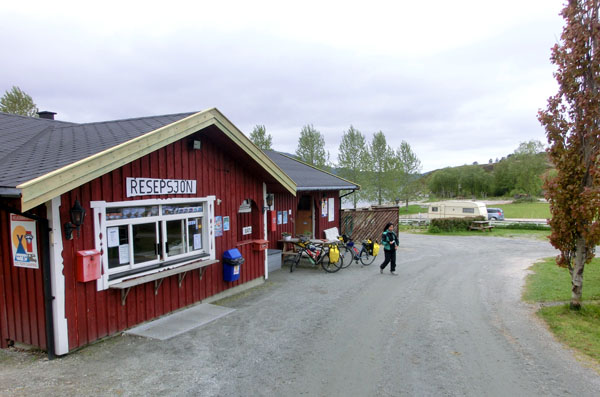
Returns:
<point x="340" y="211"/>
<point x="48" y="298"/>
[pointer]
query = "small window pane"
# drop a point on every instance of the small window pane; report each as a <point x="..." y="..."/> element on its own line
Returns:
<point x="195" y="242"/>
<point x="181" y="209"/>
<point x="468" y="210"/>
<point x="119" y="255"/>
<point x="175" y="237"/>
<point x="144" y="242"/>
<point x="130" y="212"/>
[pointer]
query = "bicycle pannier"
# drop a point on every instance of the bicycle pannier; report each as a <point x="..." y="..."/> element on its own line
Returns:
<point x="375" y="249"/>
<point x="369" y="247"/>
<point x="334" y="254"/>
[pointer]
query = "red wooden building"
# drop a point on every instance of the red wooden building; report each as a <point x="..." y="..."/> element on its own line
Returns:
<point x="164" y="197"/>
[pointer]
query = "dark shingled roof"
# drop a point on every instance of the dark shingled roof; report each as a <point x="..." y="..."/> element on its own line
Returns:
<point x="32" y="147"/>
<point x="308" y="177"/>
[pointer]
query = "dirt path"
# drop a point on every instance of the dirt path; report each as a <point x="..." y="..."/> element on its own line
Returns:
<point x="452" y="323"/>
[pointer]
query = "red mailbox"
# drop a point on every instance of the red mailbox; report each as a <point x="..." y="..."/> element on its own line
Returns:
<point x="88" y="265"/>
<point x="260" y="245"/>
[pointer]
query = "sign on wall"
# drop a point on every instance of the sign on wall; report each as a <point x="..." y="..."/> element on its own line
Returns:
<point x="154" y="187"/>
<point x="24" y="241"/>
<point x="218" y="226"/>
<point x="331" y="209"/>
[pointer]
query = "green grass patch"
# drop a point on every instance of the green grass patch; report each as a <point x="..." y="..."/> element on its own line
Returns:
<point x="550" y="283"/>
<point x="412" y="209"/>
<point x="496" y="232"/>
<point x="536" y="210"/>
<point x="578" y="329"/>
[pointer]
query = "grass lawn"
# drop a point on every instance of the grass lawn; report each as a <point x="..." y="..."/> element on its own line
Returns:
<point x="551" y="283"/>
<point x="579" y="330"/>
<point x="499" y="232"/>
<point x="412" y="209"/>
<point x="537" y="210"/>
<point x="525" y="210"/>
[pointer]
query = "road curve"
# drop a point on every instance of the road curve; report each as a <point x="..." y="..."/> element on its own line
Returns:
<point x="452" y="323"/>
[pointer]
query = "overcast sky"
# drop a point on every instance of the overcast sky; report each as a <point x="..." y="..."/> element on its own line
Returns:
<point x="460" y="81"/>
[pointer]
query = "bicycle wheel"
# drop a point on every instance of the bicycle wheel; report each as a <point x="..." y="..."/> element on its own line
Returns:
<point x="295" y="261"/>
<point x="346" y="256"/>
<point x="365" y="258"/>
<point x="330" y="267"/>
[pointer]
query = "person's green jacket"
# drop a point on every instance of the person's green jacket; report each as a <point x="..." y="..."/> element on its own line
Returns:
<point x="389" y="240"/>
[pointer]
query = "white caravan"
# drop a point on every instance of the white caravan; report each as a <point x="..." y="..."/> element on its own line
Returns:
<point x="457" y="209"/>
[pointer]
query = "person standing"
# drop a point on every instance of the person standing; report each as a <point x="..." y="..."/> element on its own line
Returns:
<point x="389" y="239"/>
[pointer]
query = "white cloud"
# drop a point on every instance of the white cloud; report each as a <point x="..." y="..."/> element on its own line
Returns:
<point x="459" y="81"/>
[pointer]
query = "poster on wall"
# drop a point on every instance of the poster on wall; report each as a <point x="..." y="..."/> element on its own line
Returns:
<point x="112" y="236"/>
<point x="197" y="241"/>
<point x="279" y="218"/>
<point x="323" y="208"/>
<point x="331" y="209"/>
<point x="218" y="226"/>
<point x="285" y="214"/>
<point x="123" y="254"/>
<point x="225" y="223"/>
<point x="24" y="242"/>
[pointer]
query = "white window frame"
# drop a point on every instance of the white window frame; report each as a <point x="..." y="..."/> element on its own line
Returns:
<point x="101" y="241"/>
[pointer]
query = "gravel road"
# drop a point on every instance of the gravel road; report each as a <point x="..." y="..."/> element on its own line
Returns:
<point x="452" y="323"/>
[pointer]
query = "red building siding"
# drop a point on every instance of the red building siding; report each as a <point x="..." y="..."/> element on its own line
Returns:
<point x="286" y="202"/>
<point x="92" y="314"/>
<point x="22" y="316"/>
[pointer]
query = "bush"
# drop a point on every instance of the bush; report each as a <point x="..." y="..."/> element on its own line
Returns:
<point x="434" y="229"/>
<point x="523" y="226"/>
<point x="524" y="199"/>
<point x="452" y="224"/>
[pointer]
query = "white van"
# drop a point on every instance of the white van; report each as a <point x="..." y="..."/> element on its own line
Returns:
<point x="457" y="209"/>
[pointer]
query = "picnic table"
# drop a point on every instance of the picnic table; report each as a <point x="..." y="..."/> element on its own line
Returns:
<point x="289" y="245"/>
<point x="481" y="226"/>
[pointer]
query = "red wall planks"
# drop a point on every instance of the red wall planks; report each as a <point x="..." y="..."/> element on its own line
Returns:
<point x="22" y="315"/>
<point x="91" y="314"/>
<point x="287" y="202"/>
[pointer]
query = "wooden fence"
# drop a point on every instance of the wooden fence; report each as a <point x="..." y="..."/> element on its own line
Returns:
<point x="367" y="223"/>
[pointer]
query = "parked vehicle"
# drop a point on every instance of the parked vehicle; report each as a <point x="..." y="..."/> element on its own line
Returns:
<point x="457" y="209"/>
<point x="495" y="214"/>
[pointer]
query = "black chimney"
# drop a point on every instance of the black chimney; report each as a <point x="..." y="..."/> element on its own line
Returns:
<point x="44" y="114"/>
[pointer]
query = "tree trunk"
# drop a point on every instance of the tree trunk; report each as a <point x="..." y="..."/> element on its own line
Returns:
<point x="577" y="274"/>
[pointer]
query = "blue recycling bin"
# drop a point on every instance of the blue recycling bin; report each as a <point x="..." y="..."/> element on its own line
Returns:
<point x="232" y="264"/>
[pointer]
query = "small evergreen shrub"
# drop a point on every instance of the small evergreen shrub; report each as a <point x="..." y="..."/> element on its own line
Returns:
<point x="452" y="224"/>
<point x="434" y="229"/>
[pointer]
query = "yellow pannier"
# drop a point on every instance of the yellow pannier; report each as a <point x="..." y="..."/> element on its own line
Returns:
<point x="375" y="249"/>
<point x="334" y="254"/>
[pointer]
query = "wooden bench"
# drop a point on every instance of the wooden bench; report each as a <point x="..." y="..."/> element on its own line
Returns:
<point x="481" y="226"/>
<point x="159" y="276"/>
<point x="290" y="249"/>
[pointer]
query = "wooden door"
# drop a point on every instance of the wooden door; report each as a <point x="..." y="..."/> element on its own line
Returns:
<point x="304" y="216"/>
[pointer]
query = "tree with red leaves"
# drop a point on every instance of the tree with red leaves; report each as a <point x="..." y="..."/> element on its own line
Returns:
<point x="572" y="123"/>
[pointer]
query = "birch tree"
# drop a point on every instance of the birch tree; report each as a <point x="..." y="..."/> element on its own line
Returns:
<point x="260" y="138"/>
<point x="311" y="147"/>
<point x="18" y="102"/>
<point x="353" y="160"/>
